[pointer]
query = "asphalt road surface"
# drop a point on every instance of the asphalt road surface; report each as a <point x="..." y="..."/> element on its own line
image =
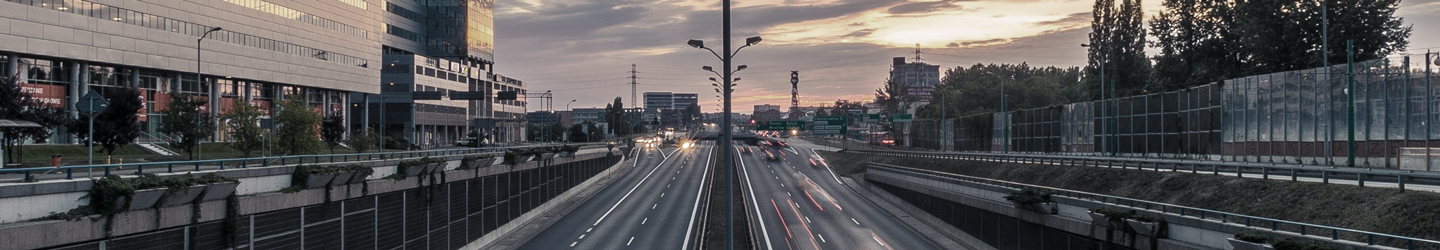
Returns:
<point x="807" y="207"/>
<point x="651" y="207"/>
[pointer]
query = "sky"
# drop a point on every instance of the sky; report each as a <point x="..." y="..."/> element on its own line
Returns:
<point x="582" y="50"/>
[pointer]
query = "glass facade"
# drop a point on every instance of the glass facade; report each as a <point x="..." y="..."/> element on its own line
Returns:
<point x="101" y="11"/>
<point x="292" y="14"/>
<point x="481" y="35"/>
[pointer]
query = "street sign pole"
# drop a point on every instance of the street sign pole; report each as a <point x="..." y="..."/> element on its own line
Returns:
<point x="91" y="108"/>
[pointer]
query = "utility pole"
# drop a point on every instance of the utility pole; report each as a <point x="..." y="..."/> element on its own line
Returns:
<point x="633" y="101"/>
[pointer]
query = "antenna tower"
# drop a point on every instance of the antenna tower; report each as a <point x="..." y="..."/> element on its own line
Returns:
<point x="917" y="53"/>
<point x="633" y="101"/>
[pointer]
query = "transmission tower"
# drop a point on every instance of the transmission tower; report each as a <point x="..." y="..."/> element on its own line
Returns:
<point x="633" y="101"/>
<point x="794" y="91"/>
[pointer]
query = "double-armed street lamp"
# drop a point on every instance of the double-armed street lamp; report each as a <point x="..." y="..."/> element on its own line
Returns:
<point x="726" y="88"/>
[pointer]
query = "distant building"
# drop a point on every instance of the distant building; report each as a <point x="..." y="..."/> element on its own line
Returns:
<point x="919" y="78"/>
<point x="668" y="107"/>
<point x="764" y="107"/>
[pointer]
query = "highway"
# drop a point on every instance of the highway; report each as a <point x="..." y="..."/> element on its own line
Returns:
<point x="651" y="207"/>
<point x="808" y="207"/>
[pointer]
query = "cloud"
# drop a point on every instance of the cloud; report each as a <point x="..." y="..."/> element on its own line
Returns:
<point x="1074" y="19"/>
<point x="926" y="7"/>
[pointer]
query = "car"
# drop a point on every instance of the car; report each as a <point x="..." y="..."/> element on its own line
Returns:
<point x="770" y="156"/>
<point x="467" y="142"/>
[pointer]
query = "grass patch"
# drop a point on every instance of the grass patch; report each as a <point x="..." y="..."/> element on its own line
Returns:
<point x="1383" y="210"/>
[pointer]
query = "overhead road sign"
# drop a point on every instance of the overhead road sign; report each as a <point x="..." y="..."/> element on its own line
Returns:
<point x="830" y="125"/>
<point x="427" y="95"/>
<point x="467" y="95"/>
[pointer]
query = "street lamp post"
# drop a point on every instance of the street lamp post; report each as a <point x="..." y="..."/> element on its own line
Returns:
<point x="572" y="115"/>
<point x="727" y="132"/>
<point x="199" y="150"/>
<point x="1114" y="149"/>
<point x="1005" y="131"/>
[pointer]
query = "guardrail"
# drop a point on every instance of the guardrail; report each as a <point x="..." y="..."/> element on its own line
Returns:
<point x="1335" y="233"/>
<point x="170" y="167"/>
<point x="1239" y="169"/>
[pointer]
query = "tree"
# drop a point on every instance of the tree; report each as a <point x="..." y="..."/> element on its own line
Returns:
<point x="976" y="89"/>
<point x="893" y="99"/>
<point x="1205" y="41"/>
<point x="299" y="127"/>
<point x="332" y="131"/>
<point x="1117" y="39"/>
<point x="244" y="122"/>
<point x="615" y="115"/>
<point x="118" y="125"/>
<point x="18" y="105"/>
<point x="364" y="141"/>
<point x="1198" y="44"/>
<point x="184" y="123"/>
<point x="585" y="132"/>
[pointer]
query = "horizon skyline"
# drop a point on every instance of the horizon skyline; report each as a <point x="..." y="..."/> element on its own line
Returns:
<point x="842" y="48"/>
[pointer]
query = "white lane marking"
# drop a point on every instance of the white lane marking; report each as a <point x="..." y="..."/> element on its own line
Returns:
<point x="632" y="190"/>
<point x="696" y="209"/>
<point x="746" y="174"/>
<point x="782" y="184"/>
<point x="572" y="244"/>
<point x="788" y="194"/>
<point x="587" y="230"/>
<point x="777" y="177"/>
<point x="672" y="178"/>
<point x="827" y="167"/>
<point x="807" y="220"/>
<point x="652" y="207"/>
<point x="822" y="238"/>
<point x="642" y="222"/>
<point x="632" y="239"/>
<point x="662" y="194"/>
<point x="582" y="236"/>
<point x="857" y="223"/>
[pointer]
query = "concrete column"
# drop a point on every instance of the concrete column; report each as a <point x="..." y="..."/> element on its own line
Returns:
<point x="365" y="117"/>
<point x="134" y="78"/>
<point x="12" y="66"/>
<point x="214" y="108"/>
<point x="345" y="112"/>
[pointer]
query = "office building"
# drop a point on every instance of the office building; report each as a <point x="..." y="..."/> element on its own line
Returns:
<point x="919" y="78"/>
<point x="255" y="51"/>
<point x="328" y="53"/>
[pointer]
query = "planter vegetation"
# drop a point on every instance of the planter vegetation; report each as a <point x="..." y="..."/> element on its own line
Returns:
<point x="1129" y="221"/>
<point x="218" y="186"/>
<point x="112" y="194"/>
<point x="1250" y="241"/>
<point x="313" y="176"/>
<point x="475" y="162"/>
<point x="1033" y="200"/>
<point x="422" y="166"/>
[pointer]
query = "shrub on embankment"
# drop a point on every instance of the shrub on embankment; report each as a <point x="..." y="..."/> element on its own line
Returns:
<point x="1384" y="210"/>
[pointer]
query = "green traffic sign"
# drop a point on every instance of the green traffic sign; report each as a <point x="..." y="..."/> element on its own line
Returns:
<point x="901" y="118"/>
<point x="830" y="125"/>
<point x="871" y="117"/>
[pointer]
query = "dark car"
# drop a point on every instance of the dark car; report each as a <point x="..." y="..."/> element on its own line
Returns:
<point x="467" y="142"/>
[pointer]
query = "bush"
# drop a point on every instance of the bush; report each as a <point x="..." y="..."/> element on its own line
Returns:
<point x="1289" y="244"/>
<point x="109" y="188"/>
<point x="1252" y="237"/>
<point x="1028" y="196"/>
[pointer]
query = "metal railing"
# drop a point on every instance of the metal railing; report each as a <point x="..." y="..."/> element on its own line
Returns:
<point x="221" y="164"/>
<point x="1239" y="169"/>
<point x="1304" y="229"/>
